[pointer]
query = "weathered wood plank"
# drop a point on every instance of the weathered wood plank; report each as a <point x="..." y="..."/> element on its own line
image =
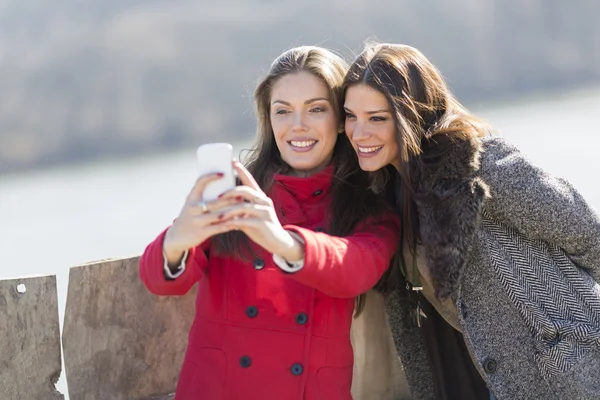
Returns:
<point x="167" y="397"/>
<point x="30" y="363"/>
<point x="120" y="342"/>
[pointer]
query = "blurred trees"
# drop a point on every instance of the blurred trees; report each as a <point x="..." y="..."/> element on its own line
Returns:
<point x="84" y="79"/>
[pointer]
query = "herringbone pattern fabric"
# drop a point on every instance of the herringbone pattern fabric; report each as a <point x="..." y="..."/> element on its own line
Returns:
<point x="517" y="249"/>
<point x="561" y="306"/>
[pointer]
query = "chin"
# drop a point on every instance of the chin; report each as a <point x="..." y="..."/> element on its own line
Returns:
<point x="303" y="165"/>
<point x="370" y="166"/>
<point x="309" y="162"/>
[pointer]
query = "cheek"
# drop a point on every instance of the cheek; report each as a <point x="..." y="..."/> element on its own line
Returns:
<point x="329" y="127"/>
<point x="349" y="128"/>
<point x="388" y="136"/>
<point x="278" y="126"/>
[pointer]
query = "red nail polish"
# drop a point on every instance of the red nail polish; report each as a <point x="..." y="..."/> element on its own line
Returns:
<point x="239" y="198"/>
<point x="220" y="174"/>
<point x="221" y="216"/>
<point x="221" y="195"/>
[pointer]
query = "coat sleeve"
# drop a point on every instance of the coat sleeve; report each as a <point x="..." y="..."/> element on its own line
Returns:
<point x="541" y="206"/>
<point x="345" y="267"/>
<point x="152" y="269"/>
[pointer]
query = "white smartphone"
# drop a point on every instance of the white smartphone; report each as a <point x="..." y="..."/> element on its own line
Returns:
<point x="214" y="158"/>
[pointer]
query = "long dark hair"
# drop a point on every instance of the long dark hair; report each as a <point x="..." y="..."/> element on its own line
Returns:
<point x="429" y="121"/>
<point x="352" y="201"/>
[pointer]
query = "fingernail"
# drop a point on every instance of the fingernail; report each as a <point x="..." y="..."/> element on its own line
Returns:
<point x="220" y="174"/>
<point x="239" y="198"/>
<point x="221" y="195"/>
<point x="221" y="216"/>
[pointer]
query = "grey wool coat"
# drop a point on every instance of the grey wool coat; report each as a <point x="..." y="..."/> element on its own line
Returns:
<point x="518" y="253"/>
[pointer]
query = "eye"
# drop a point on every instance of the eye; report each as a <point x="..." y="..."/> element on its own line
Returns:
<point x="281" y="111"/>
<point x="377" y="118"/>
<point x="318" y="109"/>
<point x="350" y="116"/>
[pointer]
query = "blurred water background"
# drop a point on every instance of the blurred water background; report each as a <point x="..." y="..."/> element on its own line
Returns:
<point x="103" y="103"/>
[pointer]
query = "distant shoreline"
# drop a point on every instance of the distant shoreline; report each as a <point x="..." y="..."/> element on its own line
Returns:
<point x="61" y="161"/>
<point x="65" y="163"/>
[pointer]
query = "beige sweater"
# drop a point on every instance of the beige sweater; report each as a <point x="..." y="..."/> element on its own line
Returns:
<point x="378" y="374"/>
<point x="446" y="308"/>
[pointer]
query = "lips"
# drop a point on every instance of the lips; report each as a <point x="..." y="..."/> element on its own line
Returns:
<point x="369" y="151"/>
<point x="302" y="145"/>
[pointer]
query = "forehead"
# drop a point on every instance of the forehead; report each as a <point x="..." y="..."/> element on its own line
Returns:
<point x="299" y="86"/>
<point x="364" y="97"/>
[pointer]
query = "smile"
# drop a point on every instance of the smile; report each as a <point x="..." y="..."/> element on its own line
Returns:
<point x="301" y="146"/>
<point x="367" y="150"/>
<point x="302" y="143"/>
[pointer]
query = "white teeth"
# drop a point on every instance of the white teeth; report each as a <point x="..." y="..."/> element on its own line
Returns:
<point x="369" y="149"/>
<point x="303" y="143"/>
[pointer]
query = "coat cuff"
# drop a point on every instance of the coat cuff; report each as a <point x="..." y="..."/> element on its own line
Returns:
<point x="286" y="266"/>
<point x="154" y="276"/>
<point x="179" y="270"/>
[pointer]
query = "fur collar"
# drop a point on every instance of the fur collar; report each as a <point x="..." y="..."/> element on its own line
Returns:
<point x="449" y="196"/>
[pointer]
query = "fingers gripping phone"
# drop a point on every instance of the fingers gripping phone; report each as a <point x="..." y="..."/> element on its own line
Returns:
<point x="213" y="158"/>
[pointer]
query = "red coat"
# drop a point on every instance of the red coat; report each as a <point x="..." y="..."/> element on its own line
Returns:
<point x="260" y="333"/>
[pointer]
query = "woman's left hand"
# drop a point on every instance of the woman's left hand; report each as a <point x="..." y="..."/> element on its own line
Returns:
<point x="258" y="220"/>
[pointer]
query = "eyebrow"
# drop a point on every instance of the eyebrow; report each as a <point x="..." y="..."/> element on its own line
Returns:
<point x="306" y="102"/>
<point x="371" y="112"/>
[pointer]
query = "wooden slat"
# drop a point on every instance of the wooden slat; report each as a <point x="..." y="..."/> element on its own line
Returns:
<point x="30" y="363"/>
<point x="120" y="342"/>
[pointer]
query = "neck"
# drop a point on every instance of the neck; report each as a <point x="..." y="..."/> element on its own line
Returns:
<point x="305" y="173"/>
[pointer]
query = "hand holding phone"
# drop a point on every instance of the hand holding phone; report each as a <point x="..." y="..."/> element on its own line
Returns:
<point x="215" y="158"/>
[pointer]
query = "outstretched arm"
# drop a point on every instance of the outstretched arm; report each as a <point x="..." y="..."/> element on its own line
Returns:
<point x="176" y="259"/>
<point x="338" y="266"/>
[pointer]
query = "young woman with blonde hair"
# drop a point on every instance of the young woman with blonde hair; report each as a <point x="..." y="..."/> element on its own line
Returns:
<point x="281" y="259"/>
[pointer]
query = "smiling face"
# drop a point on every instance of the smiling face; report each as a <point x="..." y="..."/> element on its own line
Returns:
<point x="304" y="122"/>
<point x="371" y="127"/>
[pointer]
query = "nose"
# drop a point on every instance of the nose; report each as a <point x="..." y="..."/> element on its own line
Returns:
<point x="357" y="132"/>
<point x="298" y="122"/>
